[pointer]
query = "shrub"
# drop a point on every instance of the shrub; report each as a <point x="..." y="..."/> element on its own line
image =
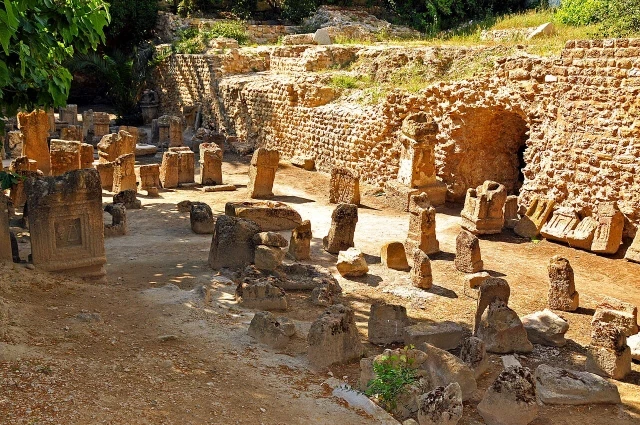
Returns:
<point x="196" y="41"/>
<point x="296" y="10"/>
<point x="393" y="375"/>
<point x="620" y="18"/>
<point x="243" y="9"/>
<point x="580" y="12"/>
<point x="132" y="22"/>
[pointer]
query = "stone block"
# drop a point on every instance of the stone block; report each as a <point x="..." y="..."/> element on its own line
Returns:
<point x="210" y="164"/>
<point x="343" y="226"/>
<point x="344" y="186"/>
<point x="562" y="290"/>
<point x="623" y="315"/>
<point x="511" y="399"/>
<point x="633" y="252"/>
<point x="65" y="156"/>
<point x="536" y="216"/>
<point x="608" y="235"/>
<point x="468" y="258"/>
<point x="148" y="176"/>
<point x="582" y="236"/>
<point x="232" y="243"/>
<point x="262" y="173"/>
<point x="422" y="226"/>
<point x="105" y="171"/>
<point x="483" y="211"/>
<point x="511" y="216"/>
<point x="113" y="146"/>
<point x="442" y="406"/>
<point x="86" y="155"/>
<point x="300" y="243"/>
<point x="124" y="174"/>
<point x="490" y="289"/>
<point x="386" y="323"/>
<point x="35" y="130"/>
<point x="186" y="164"/>
<point x="268" y="257"/>
<point x="271" y="330"/>
<point x="546" y="328"/>
<point x="118" y="226"/>
<point x="561" y="386"/>
<point x="444" y="335"/>
<point x="128" y="198"/>
<point x="201" y="218"/>
<point x="261" y="295"/>
<point x="351" y="263"/>
<point x="269" y="215"/>
<point x="474" y="355"/>
<point x="393" y="256"/>
<point x="333" y="338"/>
<point x="421" y="276"/>
<point x="562" y="222"/>
<point x="169" y="170"/>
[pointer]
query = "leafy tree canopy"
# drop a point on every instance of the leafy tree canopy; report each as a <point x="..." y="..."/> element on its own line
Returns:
<point x="36" y="37"/>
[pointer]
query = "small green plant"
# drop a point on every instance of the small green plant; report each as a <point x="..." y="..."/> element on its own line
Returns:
<point x="393" y="375"/>
<point x="196" y="40"/>
<point x="8" y="179"/>
<point x="342" y="81"/>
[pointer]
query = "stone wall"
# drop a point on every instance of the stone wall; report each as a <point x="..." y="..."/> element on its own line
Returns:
<point x="567" y="128"/>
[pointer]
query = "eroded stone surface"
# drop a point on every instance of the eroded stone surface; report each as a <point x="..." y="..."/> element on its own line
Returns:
<point x="386" y="323"/>
<point x="562" y="289"/>
<point x="468" y="258"/>
<point x="483" y="211"/>
<point x="333" y="338"/>
<point x="511" y="399"/>
<point x="343" y="226"/>
<point x="562" y="386"/>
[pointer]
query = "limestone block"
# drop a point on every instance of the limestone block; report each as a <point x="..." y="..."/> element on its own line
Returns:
<point x="133" y="131"/>
<point x="65" y="156"/>
<point x="300" y="243"/>
<point x="270" y="239"/>
<point x="468" y="258"/>
<point x="201" y="218"/>
<point x="210" y="164"/>
<point x="118" y="226"/>
<point x="269" y="215"/>
<point x="421" y="276"/>
<point x="333" y="338"/>
<point x="304" y="162"/>
<point x="623" y="315"/>
<point x="483" y="211"/>
<point x="393" y="256"/>
<point x="65" y="219"/>
<point x="546" y="328"/>
<point x="562" y="290"/>
<point x="511" y="399"/>
<point x="15" y="140"/>
<point x="490" y="290"/>
<point x="113" y="146"/>
<point x="322" y="37"/>
<point x="502" y="331"/>
<point x="169" y="170"/>
<point x="608" y="235"/>
<point x="344" y="186"/>
<point x="186" y="164"/>
<point x="268" y="257"/>
<point x="145" y="150"/>
<point x="608" y="354"/>
<point x="101" y="122"/>
<point x="511" y="216"/>
<point x="351" y="263"/>
<point x="422" y="226"/>
<point x="545" y="30"/>
<point x="86" y="155"/>
<point x="148" y="176"/>
<point x="35" y="130"/>
<point x="473" y="353"/>
<point x="343" y="226"/>
<point x="633" y="252"/>
<point x="262" y="173"/>
<point x="536" y="216"/>
<point x="69" y="114"/>
<point x="445" y="335"/>
<point x="563" y="221"/>
<point x="386" y="323"/>
<point x="271" y="330"/>
<point x="124" y="175"/>
<point x="128" y="198"/>
<point x="294" y="39"/>
<point x="561" y="386"/>
<point x="582" y="236"/>
<point x="442" y="406"/>
<point x="261" y="296"/>
<point x="232" y="243"/>
<point x="71" y="133"/>
<point x="105" y="171"/>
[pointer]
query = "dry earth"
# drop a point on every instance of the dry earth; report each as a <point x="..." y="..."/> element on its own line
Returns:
<point x="137" y="351"/>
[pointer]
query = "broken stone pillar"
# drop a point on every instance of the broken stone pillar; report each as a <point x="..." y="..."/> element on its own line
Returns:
<point x="633" y="252"/>
<point x="148" y="177"/>
<point x="186" y="164"/>
<point x="563" y="221"/>
<point x="441" y="406"/>
<point x="268" y="257"/>
<point x="386" y="323"/>
<point x="35" y="129"/>
<point x="69" y="114"/>
<point x="128" y="198"/>
<point x="343" y="226"/>
<point x="474" y="355"/>
<point x="5" y="236"/>
<point x="210" y="164"/>
<point x="65" y="156"/>
<point x="113" y="146"/>
<point x="118" y="226"/>
<point x="269" y="215"/>
<point x="502" y="330"/>
<point x="175" y="132"/>
<point x="511" y="399"/>
<point x="608" y="235"/>
<point x="536" y="216"/>
<point x="468" y="257"/>
<point x="87" y="126"/>
<point x="546" y="328"/>
<point x="422" y="226"/>
<point x="262" y="173"/>
<point x="511" y="216"/>
<point x="300" y="243"/>
<point x="72" y="133"/>
<point x="582" y="236"/>
<point x="162" y="125"/>
<point x="26" y="168"/>
<point x="421" y="276"/>
<point x="483" y="212"/>
<point x="124" y="174"/>
<point x="491" y="289"/>
<point x="105" y="171"/>
<point x="608" y="354"/>
<point x="232" y="243"/>
<point x="101" y="123"/>
<point x="201" y="218"/>
<point x="344" y="186"/>
<point x="333" y="338"/>
<point x="169" y="170"/>
<point x="620" y="313"/>
<point x="417" y="171"/>
<point x="65" y="220"/>
<point x="271" y="330"/>
<point x="562" y="289"/>
<point x="393" y="256"/>
<point x="86" y="155"/>
<point x="133" y="131"/>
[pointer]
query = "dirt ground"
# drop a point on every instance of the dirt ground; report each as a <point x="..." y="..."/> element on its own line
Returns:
<point x="145" y="348"/>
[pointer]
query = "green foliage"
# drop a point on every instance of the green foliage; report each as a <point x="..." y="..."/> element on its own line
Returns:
<point x="36" y="37"/>
<point x="580" y="12"/>
<point x="196" y="41"/>
<point x="244" y="8"/>
<point x="8" y="179"/>
<point x="131" y="23"/>
<point x="126" y="76"/>
<point x="296" y="10"/>
<point x="620" y="18"/>
<point x="344" y="81"/>
<point x="393" y="374"/>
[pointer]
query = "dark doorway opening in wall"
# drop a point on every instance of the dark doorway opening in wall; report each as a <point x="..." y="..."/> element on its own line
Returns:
<point x="486" y="144"/>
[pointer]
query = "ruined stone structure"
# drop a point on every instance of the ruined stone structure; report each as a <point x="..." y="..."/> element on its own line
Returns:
<point x="148" y="177"/>
<point x="169" y="170"/>
<point x="65" y="220"/>
<point x="530" y="225"/>
<point x="262" y="173"/>
<point x="562" y="289"/>
<point x="65" y="156"/>
<point x="343" y="226"/>
<point x="101" y="123"/>
<point x="186" y="164"/>
<point x="210" y="164"/>
<point x="534" y="108"/>
<point x="69" y="114"/>
<point x="35" y="129"/>
<point x="422" y="226"/>
<point x="112" y="146"/>
<point x="344" y="187"/>
<point x="483" y="211"/>
<point x="124" y="175"/>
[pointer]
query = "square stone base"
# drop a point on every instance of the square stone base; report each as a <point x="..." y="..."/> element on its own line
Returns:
<point x="398" y="194"/>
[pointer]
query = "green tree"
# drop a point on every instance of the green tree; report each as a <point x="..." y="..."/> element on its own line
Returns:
<point x="36" y="37"/>
<point x="132" y="22"/>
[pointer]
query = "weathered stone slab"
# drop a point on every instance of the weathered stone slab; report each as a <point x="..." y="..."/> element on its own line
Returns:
<point x="422" y="226"/>
<point x="35" y="130"/>
<point x="560" y="224"/>
<point x="269" y="215"/>
<point x="65" y="156"/>
<point x="608" y="235"/>
<point x="344" y="186"/>
<point x="536" y="216"/>
<point x="393" y="256"/>
<point x="262" y="173"/>
<point x="386" y="323"/>
<point x="582" y="236"/>
<point x="343" y="226"/>
<point x="445" y="335"/>
<point x="562" y="386"/>
<point x="232" y="243"/>
<point x="333" y="338"/>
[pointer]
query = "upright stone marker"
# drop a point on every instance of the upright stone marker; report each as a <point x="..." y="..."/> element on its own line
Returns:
<point x="35" y="129"/>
